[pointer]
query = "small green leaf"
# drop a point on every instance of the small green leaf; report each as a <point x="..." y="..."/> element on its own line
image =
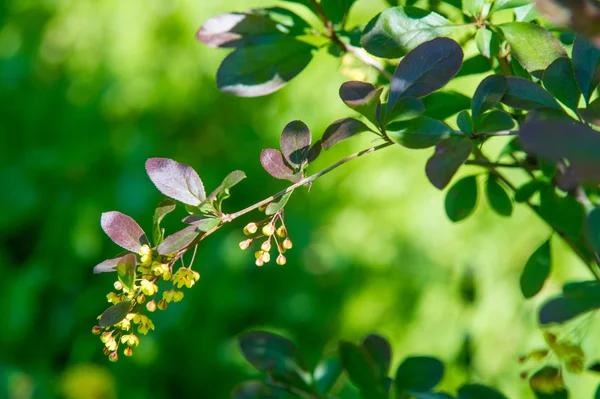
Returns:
<point x="534" y="46"/>
<point x="327" y="373"/>
<point x="498" y="197"/>
<point x="478" y="391"/>
<point x="418" y="374"/>
<point x="449" y="154"/>
<point x="489" y="93"/>
<point x="404" y="109"/>
<point x="592" y="226"/>
<point x="524" y="94"/>
<point x="494" y="121"/>
<point x="126" y="270"/>
<point x="507" y="4"/>
<point x="115" y="313"/>
<point x="461" y="199"/>
<point x="536" y="271"/>
<point x="337" y="10"/>
<point x="527" y="13"/>
<point x="277" y="205"/>
<point x="464" y="122"/>
<point x="360" y="367"/>
<point x="487" y="42"/>
<point x="586" y="58"/>
<point x="565" y="214"/>
<point x="342" y="129"/>
<point x="526" y="191"/>
<point x="398" y="30"/>
<point x="559" y="79"/>
<point x="162" y="210"/>
<point x="422" y="132"/>
<point x="380" y="351"/>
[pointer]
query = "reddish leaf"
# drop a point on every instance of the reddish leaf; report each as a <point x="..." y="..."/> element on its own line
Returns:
<point x="123" y="230"/>
<point x="109" y="265"/>
<point x="449" y="155"/>
<point x="342" y="129"/>
<point x="176" y="180"/>
<point x="295" y="141"/>
<point x="235" y="29"/>
<point x="177" y="241"/>
<point x="273" y="162"/>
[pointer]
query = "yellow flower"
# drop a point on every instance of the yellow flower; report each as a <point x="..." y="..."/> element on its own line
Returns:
<point x="144" y="323"/>
<point x="115" y="298"/>
<point x="148" y="288"/>
<point x="173" y="296"/>
<point x="185" y="276"/>
<point x="130" y="339"/>
<point x="145" y="253"/>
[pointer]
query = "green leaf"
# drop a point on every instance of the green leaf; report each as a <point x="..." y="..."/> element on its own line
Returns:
<point x="565" y="214"/>
<point x="461" y="199"/>
<point x="360" y="367"/>
<point x="443" y="104"/>
<point x="478" y="391"/>
<point x="548" y="383"/>
<point x="464" y="122"/>
<point x="489" y="93"/>
<point x="526" y="13"/>
<point x="524" y="94"/>
<point x="295" y="141"/>
<point x="576" y="299"/>
<point x="494" y="121"/>
<point x="559" y="79"/>
<point x="418" y="374"/>
<point x="534" y="46"/>
<point x="163" y="209"/>
<point x="449" y="154"/>
<point x="115" y="313"/>
<point x="585" y="63"/>
<point x="425" y="69"/>
<point x="405" y="109"/>
<point x="526" y="191"/>
<point x="474" y="8"/>
<point x="178" y="241"/>
<point x="475" y="65"/>
<point x="592" y="227"/>
<point x="536" y="271"/>
<point x="277" y="205"/>
<point x="276" y="355"/>
<point x="260" y="390"/>
<point x="398" y="30"/>
<point x="518" y="70"/>
<point x="380" y="351"/>
<point x="363" y="98"/>
<point x="337" y="10"/>
<point x="342" y="129"/>
<point x="487" y="42"/>
<point x="327" y="373"/>
<point x="252" y="71"/>
<point x="498" y="197"/>
<point x="507" y="4"/>
<point x="591" y="114"/>
<point x="126" y="270"/>
<point x="422" y="132"/>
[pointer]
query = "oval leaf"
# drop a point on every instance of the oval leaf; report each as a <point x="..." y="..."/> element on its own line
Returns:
<point x="565" y="308"/>
<point x="398" y="30"/>
<point x="586" y="59"/>
<point x="276" y="206"/>
<point x="449" y="155"/>
<point x="405" y="109"/>
<point x="273" y="162"/>
<point x="443" y="104"/>
<point x="426" y="69"/>
<point x="176" y="180"/>
<point x="178" y="241"/>
<point x="380" y="351"/>
<point x="559" y="79"/>
<point x="526" y="191"/>
<point x="489" y="93"/>
<point x="498" y="197"/>
<point x="487" y="42"/>
<point x="477" y="391"/>
<point x="361" y="369"/>
<point x="123" y="230"/>
<point x="253" y="71"/>
<point x="295" y="142"/>
<point x="236" y="29"/>
<point x="327" y="373"/>
<point x="461" y="199"/>
<point x="109" y="265"/>
<point x="524" y="94"/>
<point x="126" y="270"/>
<point x="419" y="374"/>
<point x="115" y="313"/>
<point x="534" y="46"/>
<point x="342" y="129"/>
<point x="494" y="121"/>
<point x="536" y="271"/>
<point x="422" y="132"/>
<point x="163" y="209"/>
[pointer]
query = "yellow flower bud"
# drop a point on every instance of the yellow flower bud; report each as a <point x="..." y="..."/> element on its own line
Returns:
<point x="118" y="286"/>
<point x="113" y="357"/>
<point x="266" y="257"/>
<point x="250" y="228"/>
<point x="97" y="330"/>
<point x="162" y="304"/>
<point x="259" y="262"/>
<point x="105" y="337"/>
<point x="106" y="351"/>
<point x="268" y="229"/>
<point x="148" y="288"/>
<point x="281" y="232"/>
<point x="141" y="298"/>
<point x="281" y="260"/>
<point x="151" y="306"/>
<point x="258" y="254"/>
<point x="128" y="351"/>
<point x="266" y="246"/>
<point x="245" y="244"/>
<point x="287" y="243"/>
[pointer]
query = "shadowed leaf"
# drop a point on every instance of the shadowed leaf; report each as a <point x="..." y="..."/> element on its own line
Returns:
<point x="163" y="209"/>
<point x="461" y="199"/>
<point x="380" y="351"/>
<point x="177" y="241"/>
<point x="176" y="180"/>
<point x="123" y="230"/>
<point x="449" y="155"/>
<point x="524" y="94"/>
<point x="478" y="391"/>
<point x="115" y="313"/>
<point x="273" y="162"/>
<point x="362" y="97"/>
<point x="592" y="226"/>
<point x="405" y="109"/>
<point x="360" y="367"/>
<point x="577" y="298"/>
<point x="536" y="271"/>
<point x="126" y="270"/>
<point x="498" y="197"/>
<point x="260" y="390"/>
<point x="295" y="142"/>
<point x="489" y="93"/>
<point x="327" y="373"/>
<point x="526" y="191"/>
<point x="494" y="121"/>
<point x="443" y="104"/>
<point x="109" y="265"/>
<point x="465" y="122"/>
<point x="559" y="79"/>
<point x="314" y="151"/>
<point x="337" y="10"/>
<point x="585" y="63"/>
<point x="419" y="374"/>
<point x="422" y="132"/>
<point x="342" y="129"/>
<point x="591" y="114"/>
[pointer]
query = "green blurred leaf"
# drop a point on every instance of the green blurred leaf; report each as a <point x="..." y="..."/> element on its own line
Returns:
<point x="592" y="224"/>
<point x="126" y="270"/>
<point x="380" y="351"/>
<point x="548" y="383"/>
<point x="422" y="132"/>
<point x="252" y="71"/>
<point x="526" y="13"/>
<point x="585" y="63"/>
<point x="163" y="209"/>
<point x="494" y="121"/>
<point x="564" y="213"/>
<point x="398" y="30"/>
<point x="559" y="79"/>
<point x="115" y="313"/>
<point x="260" y="390"/>
<point x="405" y="109"/>
<point x="449" y="154"/>
<point x="507" y="4"/>
<point x="418" y="374"/>
<point x="524" y="94"/>
<point x="278" y="204"/>
<point x="534" y="46"/>
<point x="327" y="373"/>
<point x="498" y="197"/>
<point x="536" y="271"/>
<point x="337" y="10"/>
<point x="475" y="65"/>
<point x="461" y="199"/>
<point x="577" y="298"/>
<point x="474" y="8"/>
<point x="363" y="98"/>
<point x="489" y="93"/>
<point x="360" y="367"/>
<point x="478" y="391"/>
<point x="487" y="42"/>
<point x="527" y="190"/>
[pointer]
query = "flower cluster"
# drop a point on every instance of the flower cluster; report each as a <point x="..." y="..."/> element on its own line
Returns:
<point x="269" y="234"/>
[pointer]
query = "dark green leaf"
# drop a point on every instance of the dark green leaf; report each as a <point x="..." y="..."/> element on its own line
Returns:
<point x="534" y="46"/>
<point x="362" y="97"/>
<point x="518" y="70"/>
<point x="425" y="69"/>
<point x="487" y="42"/>
<point x="494" y="121"/>
<point x="126" y="270"/>
<point x="273" y="162"/>
<point x="585" y="63"/>
<point x="276" y="205"/>
<point x="164" y="208"/>
<point x="342" y="129"/>
<point x="276" y="355"/>
<point x="123" y="230"/>
<point x="360" y="367"/>
<point x="336" y="10"/>
<point x="478" y="391"/>
<point x="115" y="313"/>
<point x="592" y="226"/>
<point x="461" y="199"/>
<point x="498" y="197"/>
<point x="524" y="94"/>
<point x="489" y="93"/>
<point x="591" y="114"/>
<point x="418" y="374"/>
<point x="443" y="104"/>
<point x="405" y="109"/>
<point x="178" y="241"/>
<point x="431" y="395"/>
<point x="314" y="151"/>
<point x="422" y="132"/>
<point x="327" y="373"/>
<point x="536" y="271"/>
<point x="511" y="147"/>
<point x="398" y="30"/>
<point x="559" y="79"/>
<point x="295" y="142"/>
<point x="252" y="71"/>
<point x="449" y="154"/>
<point x="176" y="180"/>
<point x="526" y="191"/>
<point x="260" y="390"/>
<point x="464" y="122"/>
<point x="380" y="351"/>
<point x="565" y="214"/>
<point x="577" y="298"/>
<point x="475" y="65"/>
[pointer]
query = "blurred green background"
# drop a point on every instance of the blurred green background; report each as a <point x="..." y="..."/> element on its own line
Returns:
<point x="90" y="89"/>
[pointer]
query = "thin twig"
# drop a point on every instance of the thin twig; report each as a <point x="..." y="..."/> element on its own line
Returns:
<point x="480" y="162"/>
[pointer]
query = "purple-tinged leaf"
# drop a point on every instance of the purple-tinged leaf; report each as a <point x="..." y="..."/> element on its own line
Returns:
<point x="422" y="132"/>
<point x="236" y="29"/>
<point x="163" y="209"/>
<point x="314" y="151"/>
<point x="295" y="142"/>
<point x="524" y="94"/>
<point x="586" y="62"/>
<point x="126" y="270"/>
<point x="362" y="97"/>
<point x="489" y="93"/>
<point x="449" y="155"/>
<point x="176" y="180"/>
<point x="123" y="230"/>
<point x="380" y="351"/>
<point x="559" y="79"/>
<point x="591" y="114"/>
<point x="178" y="241"/>
<point x="342" y="129"/>
<point x="115" y="313"/>
<point x="109" y="265"/>
<point x="273" y="162"/>
<point x="426" y="69"/>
